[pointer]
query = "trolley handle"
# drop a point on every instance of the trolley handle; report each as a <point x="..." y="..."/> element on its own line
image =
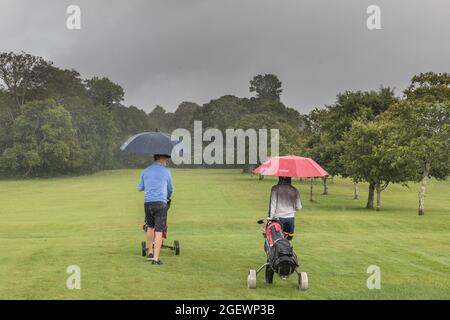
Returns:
<point x="262" y="221"/>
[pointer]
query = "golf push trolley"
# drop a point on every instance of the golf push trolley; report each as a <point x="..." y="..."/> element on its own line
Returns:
<point x="176" y="244"/>
<point x="281" y="258"/>
<point x="175" y="247"/>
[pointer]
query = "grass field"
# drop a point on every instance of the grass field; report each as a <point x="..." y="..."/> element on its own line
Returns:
<point x="95" y="222"/>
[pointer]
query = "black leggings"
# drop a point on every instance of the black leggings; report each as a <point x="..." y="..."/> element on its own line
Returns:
<point x="288" y="225"/>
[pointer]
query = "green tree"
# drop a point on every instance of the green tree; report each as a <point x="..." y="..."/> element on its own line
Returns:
<point x="7" y="115"/>
<point x="222" y="113"/>
<point x="161" y="119"/>
<point x="429" y="86"/>
<point x="289" y="142"/>
<point x="130" y="121"/>
<point x="325" y="128"/>
<point x="20" y="73"/>
<point x="100" y="122"/>
<point x="105" y="92"/>
<point x="96" y="132"/>
<point x="59" y="84"/>
<point x="321" y="143"/>
<point x="274" y="107"/>
<point x="184" y="116"/>
<point x="43" y="141"/>
<point x="266" y="86"/>
<point x="425" y="129"/>
<point x="95" y="127"/>
<point x="427" y="110"/>
<point x="372" y="153"/>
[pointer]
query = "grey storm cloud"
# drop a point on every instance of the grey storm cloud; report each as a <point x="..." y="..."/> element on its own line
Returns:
<point x="165" y="51"/>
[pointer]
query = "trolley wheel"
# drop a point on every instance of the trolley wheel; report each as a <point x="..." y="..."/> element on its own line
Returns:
<point x="251" y="279"/>
<point x="269" y="274"/>
<point x="143" y="248"/>
<point x="303" y="281"/>
<point x="176" y="245"/>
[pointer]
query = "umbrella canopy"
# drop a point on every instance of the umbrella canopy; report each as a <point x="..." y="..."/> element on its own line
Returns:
<point x="150" y="143"/>
<point x="291" y="166"/>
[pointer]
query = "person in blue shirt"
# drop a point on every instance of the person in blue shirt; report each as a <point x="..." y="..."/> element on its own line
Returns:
<point x="156" y="183"/>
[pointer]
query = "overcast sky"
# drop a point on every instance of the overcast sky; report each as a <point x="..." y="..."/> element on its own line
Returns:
<point x="168" y="51"/>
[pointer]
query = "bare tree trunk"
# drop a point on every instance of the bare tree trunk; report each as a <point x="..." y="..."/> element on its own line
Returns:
<point x="10" y="114"/>
<point x="311" y="190"/>
<point x="22" y="102"/>
<point x="378" y="188"/>
<point x="371" y="196"/>
<point x="27" y="174"/>
<point x="355" y="190"/>
<point x="261" y="177"/>
<point x="423" y="185"/>
<point x="325" y="185"/>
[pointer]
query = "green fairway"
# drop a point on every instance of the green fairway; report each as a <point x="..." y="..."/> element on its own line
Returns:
<point x="95" y="222"/>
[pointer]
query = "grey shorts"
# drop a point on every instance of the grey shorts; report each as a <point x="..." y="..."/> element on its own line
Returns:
<point x="156" y="215"/>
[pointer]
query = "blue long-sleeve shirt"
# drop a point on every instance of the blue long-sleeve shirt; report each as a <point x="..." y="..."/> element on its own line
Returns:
<point x="156" y="182"/>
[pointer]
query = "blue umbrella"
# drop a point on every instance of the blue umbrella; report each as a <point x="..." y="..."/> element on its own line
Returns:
<point x="150" y="143"/>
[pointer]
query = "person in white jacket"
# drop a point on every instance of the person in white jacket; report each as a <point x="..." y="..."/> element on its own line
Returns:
<point x="284" y="202"/>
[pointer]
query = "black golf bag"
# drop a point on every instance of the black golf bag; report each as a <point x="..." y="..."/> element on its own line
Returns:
<point x="280" y="255"/>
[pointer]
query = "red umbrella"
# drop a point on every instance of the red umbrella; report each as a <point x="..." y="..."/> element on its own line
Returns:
<point x="292" y="166"/>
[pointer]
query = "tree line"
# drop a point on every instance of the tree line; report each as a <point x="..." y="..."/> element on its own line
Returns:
<point x="53" y="122"/>
<point x="380" y="139"/>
